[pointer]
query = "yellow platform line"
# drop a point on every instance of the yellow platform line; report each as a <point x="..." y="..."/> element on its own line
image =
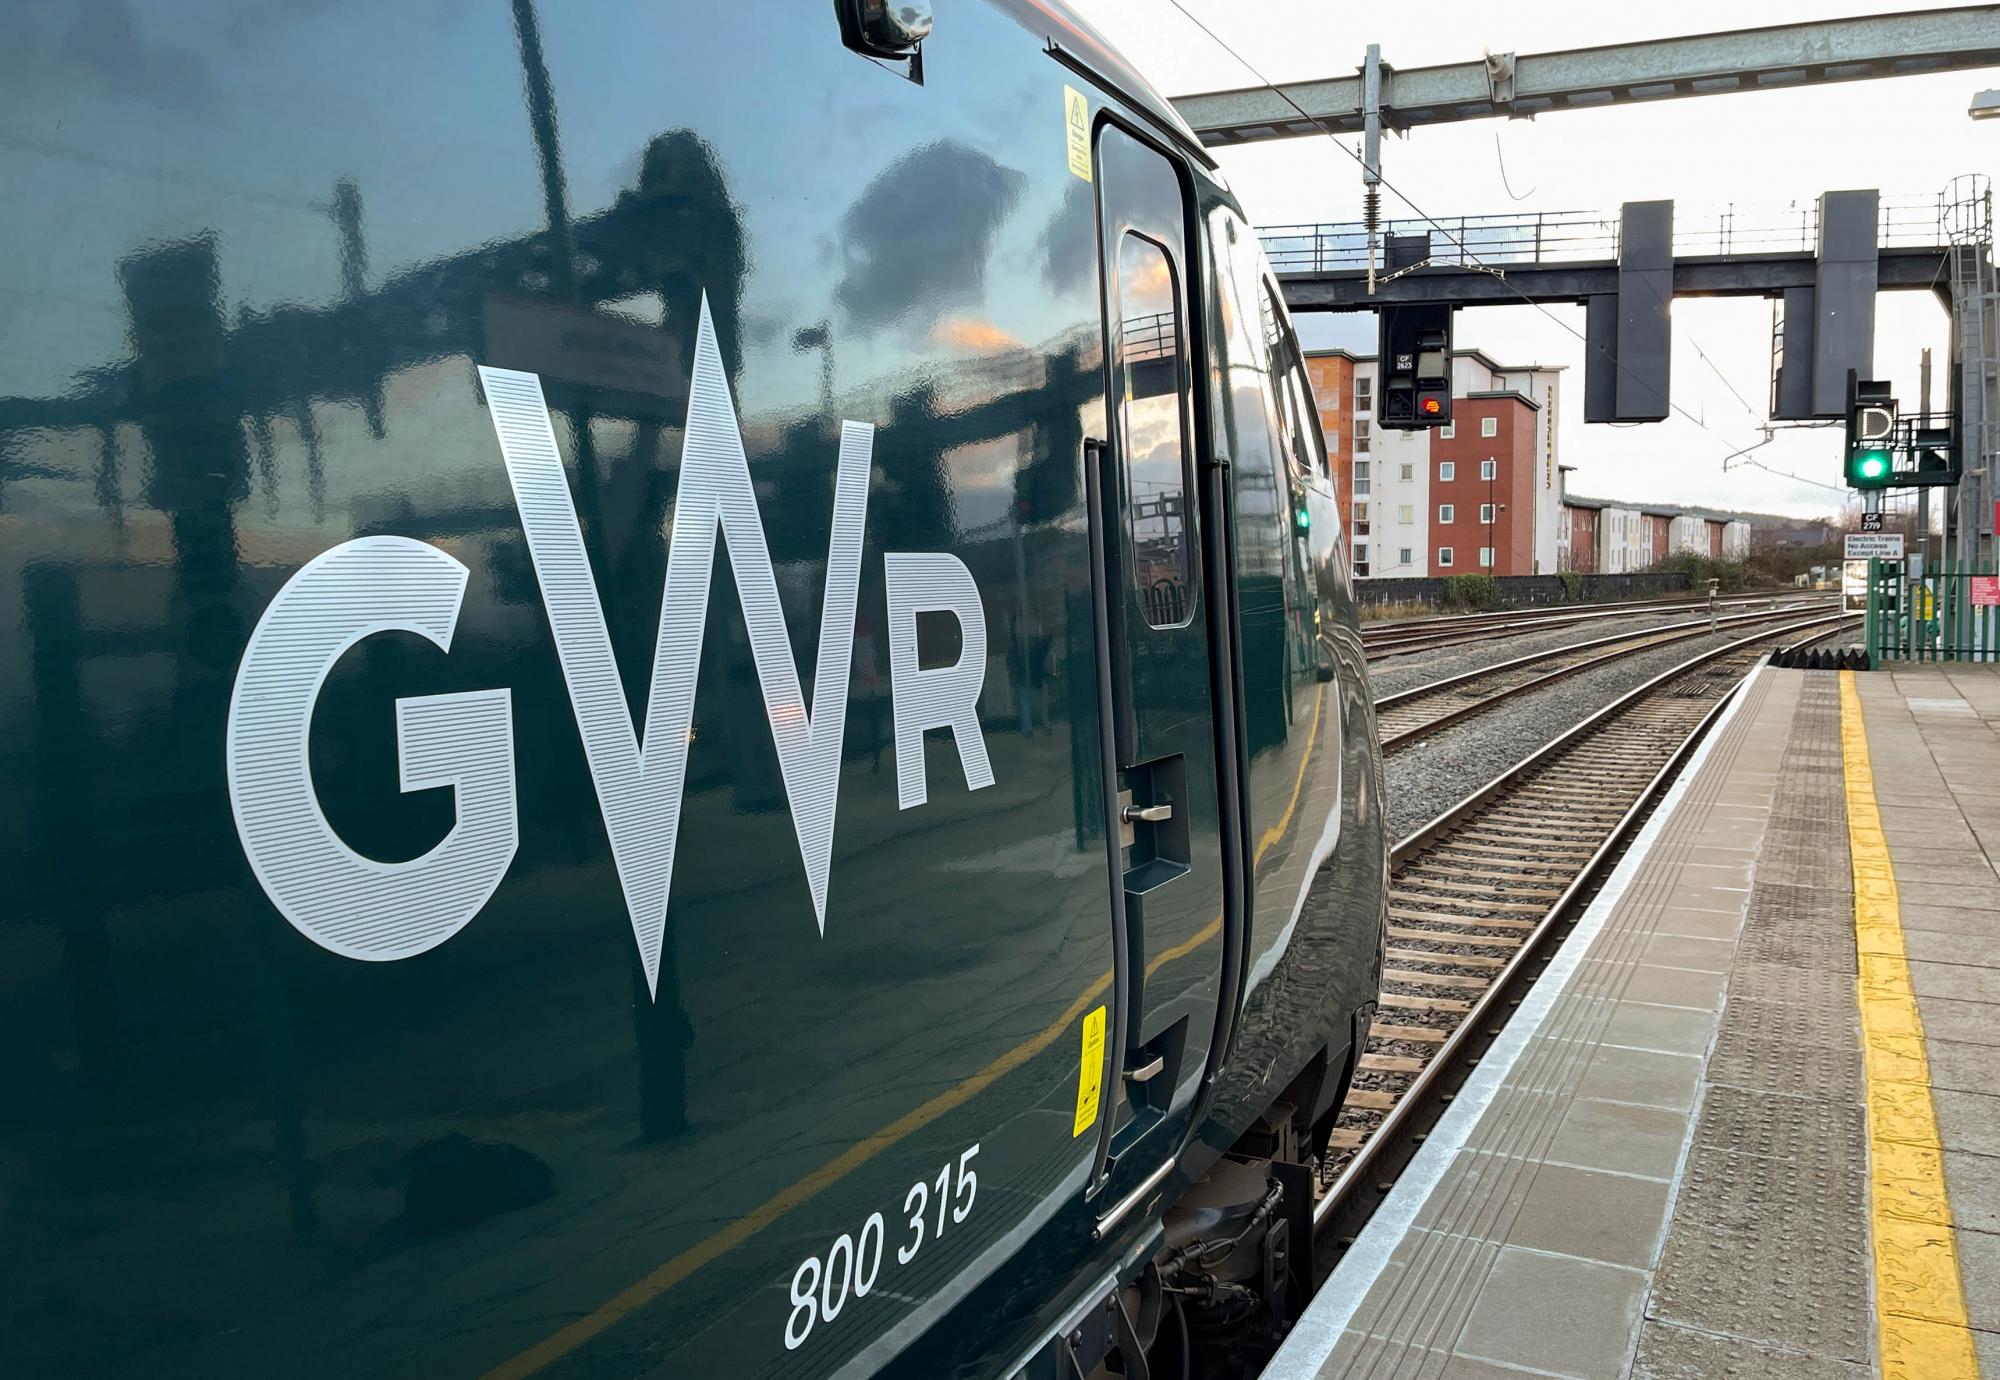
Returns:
<point x="1919" y="1302"/>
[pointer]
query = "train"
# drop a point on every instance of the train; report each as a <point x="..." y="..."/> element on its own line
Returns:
<point x="678" y="697"/>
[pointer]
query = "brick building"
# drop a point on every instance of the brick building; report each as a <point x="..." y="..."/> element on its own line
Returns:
<point x="1482" y="509"/>
<point x="1479" y="496"/>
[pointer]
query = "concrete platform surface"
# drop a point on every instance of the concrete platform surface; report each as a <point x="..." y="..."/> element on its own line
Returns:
<point x="1701" y="1148"/>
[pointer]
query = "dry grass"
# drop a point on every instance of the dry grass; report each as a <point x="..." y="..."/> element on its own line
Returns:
<point x="1401" y="608"/>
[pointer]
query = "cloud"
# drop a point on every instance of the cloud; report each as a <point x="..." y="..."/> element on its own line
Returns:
<point x="1069" y="242"/>
<point x="921" y="233"/>
<point x="973" y="335"/>
<point x="104" y="39"/>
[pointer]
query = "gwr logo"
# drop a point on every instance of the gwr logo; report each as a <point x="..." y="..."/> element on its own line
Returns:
<point x="365" y="909"/>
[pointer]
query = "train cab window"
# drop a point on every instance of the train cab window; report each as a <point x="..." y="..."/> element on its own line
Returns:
<point x="1154" y="423"/>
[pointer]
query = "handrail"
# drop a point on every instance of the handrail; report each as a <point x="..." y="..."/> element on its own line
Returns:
<point x="1528" y="239"/>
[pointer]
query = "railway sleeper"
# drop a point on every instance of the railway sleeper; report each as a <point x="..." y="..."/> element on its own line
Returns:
<point x="1432" y="917"/>
<point x="1400" y="1001"/>
<point x="1455" y="936"/>
<point x="1446" y="957"/>
<point x="1414" y="978"/>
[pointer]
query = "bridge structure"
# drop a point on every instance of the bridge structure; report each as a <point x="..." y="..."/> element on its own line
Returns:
<point x="1571" y="256"/>
<point x="1823" y="261"/>
<point x="1824" y="264"/>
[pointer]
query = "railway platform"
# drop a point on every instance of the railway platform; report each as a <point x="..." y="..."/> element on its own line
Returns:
<point x="1747" y="1121"/>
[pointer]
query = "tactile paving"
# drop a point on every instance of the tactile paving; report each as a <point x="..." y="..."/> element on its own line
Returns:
<point x="1828" y="1135"/>
<point x="1788" y="1047"/>
<point x="1675" y="1353"/>
<point x="1769" y="1241"/>
<point x="1771" y="1247"/>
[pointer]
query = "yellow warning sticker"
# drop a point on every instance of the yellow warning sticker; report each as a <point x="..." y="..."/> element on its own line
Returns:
<point x="1076" y="115"/>
<point x="1090" y="1081"/>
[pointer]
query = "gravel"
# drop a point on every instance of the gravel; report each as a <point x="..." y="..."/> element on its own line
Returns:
<point x="1426" y="779"/>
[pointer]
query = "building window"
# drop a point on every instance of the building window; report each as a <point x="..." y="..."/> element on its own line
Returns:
<point x="1444" y="555"/>
<point x="1402" y="555"/>
<point x="1447" y="471"/>
<point x="1448" y="431"/>
<point x="1406" y="513"/>
<point x="1486" y="556"/>
<point x="1362" y="385"/>
<point x="1489" y="426"/>
<point x="1444" y="512"/>
<point x="1489" y="469"/>
<point x="1333" y="443"/>
<point x="1409" y="473"/>
<point x="1361" y="434"/>
<point x="1486" y="512"/>
<point x="1360" y="478"/>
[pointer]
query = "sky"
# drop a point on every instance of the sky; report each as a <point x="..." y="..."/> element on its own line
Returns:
<point x="1764" y="155"/>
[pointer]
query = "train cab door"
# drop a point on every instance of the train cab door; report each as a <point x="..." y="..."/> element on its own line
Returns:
<point x="1165" y="848"/>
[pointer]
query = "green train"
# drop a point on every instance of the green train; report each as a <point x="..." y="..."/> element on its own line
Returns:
<point x="678" y="698"/>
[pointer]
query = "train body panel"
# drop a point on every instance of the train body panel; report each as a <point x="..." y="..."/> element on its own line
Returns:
<point x="562" y="735"/>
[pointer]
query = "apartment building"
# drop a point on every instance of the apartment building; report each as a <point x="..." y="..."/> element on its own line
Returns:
<point x="1620" y="538"/>
<point x="1482" y="495"/>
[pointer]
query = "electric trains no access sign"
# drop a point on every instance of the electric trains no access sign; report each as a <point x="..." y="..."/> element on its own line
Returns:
<point x="1881" y="546"/>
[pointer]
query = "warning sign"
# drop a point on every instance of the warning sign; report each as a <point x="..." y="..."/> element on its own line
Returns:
<point x="1090" y="1080"/>
<point x="1076" y="115"/>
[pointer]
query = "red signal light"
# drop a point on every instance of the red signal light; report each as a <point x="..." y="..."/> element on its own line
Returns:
<point x="1430" y="406"/>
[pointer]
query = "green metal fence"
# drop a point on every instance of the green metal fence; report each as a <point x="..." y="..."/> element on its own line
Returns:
<point x="1951" y="614"/>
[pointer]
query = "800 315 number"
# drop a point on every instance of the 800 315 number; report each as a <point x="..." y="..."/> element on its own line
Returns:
<point x="849" y="1268"/>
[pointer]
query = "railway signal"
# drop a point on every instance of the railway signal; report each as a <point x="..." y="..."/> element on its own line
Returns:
<point x="1886" y="451"/>
<point x="1415" y="350"/>
<point x="1871" y="432"/>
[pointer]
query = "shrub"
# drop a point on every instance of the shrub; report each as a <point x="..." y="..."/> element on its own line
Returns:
<point x="1471" y="592"/>
<point x="1730" y="576"/>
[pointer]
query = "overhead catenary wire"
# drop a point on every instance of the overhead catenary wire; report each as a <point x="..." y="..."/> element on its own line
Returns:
<point x="1500" y="157"/>
<point x="1472" y="259"/>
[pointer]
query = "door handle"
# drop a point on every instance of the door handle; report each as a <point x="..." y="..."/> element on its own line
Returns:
<point x="1149" y="814"/>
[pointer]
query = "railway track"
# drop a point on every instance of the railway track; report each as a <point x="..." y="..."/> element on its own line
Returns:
<point x="1404" y="637"/>
<point x="1480" y="898"/>
<point x="1408" y="716"/>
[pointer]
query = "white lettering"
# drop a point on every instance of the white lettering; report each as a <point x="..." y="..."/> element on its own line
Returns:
<point x="342" y="901"/>
<point x="639" y="787"/>
<point x="945" y="696"/>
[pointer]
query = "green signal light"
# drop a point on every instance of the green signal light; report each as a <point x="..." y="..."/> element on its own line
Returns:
<point x="1869" y="469"/>
<point x="1304" y="519"/>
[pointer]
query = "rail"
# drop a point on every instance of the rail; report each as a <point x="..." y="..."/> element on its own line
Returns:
<point x="1409" y="716"/>
<point x="1405" y="636"/>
